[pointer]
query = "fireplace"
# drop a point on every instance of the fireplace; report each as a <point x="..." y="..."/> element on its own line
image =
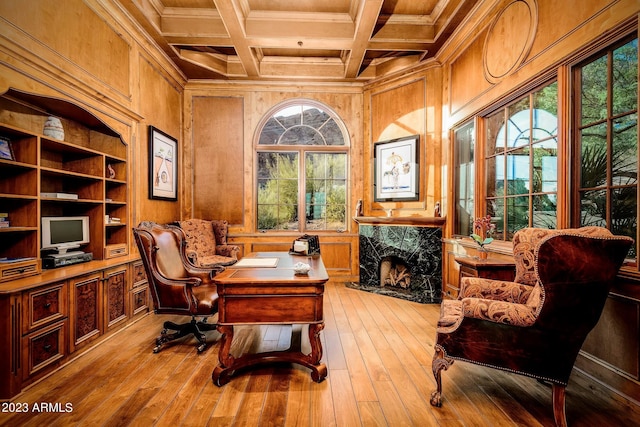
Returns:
<point x="394" y="272"/>
<point x="403" y="261"/>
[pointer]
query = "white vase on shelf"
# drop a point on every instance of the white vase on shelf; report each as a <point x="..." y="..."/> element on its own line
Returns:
<point x="53" y="128"/>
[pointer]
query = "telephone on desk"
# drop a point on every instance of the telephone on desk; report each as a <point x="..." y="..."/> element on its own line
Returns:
<point x="306" y="245"/>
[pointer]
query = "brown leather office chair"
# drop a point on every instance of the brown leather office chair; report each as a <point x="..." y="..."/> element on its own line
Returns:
<point x="535" y="325"/>
<point x="176" y="286"/>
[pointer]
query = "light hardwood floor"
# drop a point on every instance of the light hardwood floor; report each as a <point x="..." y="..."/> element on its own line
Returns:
<point x="378" y="352"/>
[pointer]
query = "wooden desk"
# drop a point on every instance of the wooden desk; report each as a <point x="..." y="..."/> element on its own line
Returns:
<point x="271" y="296"/>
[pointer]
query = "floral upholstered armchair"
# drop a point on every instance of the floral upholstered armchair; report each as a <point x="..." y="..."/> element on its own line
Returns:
<point x="535" y="325"/>
<point x="207" y="243"/>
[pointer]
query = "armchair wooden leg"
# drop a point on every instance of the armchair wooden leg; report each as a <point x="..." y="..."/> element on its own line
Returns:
<point x="559" y="415"/>
<point x="440" y="362"/>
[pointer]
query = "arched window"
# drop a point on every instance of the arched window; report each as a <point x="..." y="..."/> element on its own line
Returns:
<point x="302" y="168"/>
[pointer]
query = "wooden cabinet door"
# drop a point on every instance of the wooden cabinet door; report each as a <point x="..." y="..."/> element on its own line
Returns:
<point x="42" y="306"/>
<point x="86" y="309"/>
<point x="43" y="350"/>
<point x="140" y="300"/>
<point x="116" y="290"/>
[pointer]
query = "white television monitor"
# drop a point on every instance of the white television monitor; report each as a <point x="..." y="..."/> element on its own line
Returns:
<point x="62" y="233"/>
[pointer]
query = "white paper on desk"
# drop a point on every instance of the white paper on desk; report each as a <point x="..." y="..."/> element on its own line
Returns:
<point x="256" y="262"/>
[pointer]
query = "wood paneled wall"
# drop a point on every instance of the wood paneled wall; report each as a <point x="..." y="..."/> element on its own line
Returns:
<point x="219" y="151"/>
<point x="403" y="106"/>
<point x="161" y="107"/>
<point x="396" y="112"/>
<point x="216" y="151"/>
<point x="102" y="63"/>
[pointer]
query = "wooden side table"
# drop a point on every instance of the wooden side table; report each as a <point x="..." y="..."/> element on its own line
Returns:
<point x="490" y="268"/>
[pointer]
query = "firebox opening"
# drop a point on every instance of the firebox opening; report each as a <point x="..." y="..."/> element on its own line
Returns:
<point x="394" y="272"/>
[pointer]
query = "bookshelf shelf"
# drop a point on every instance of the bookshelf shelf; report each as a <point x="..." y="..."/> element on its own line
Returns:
<point x="89" y="168"/>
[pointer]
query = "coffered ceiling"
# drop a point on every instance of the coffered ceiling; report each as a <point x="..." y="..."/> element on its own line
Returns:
<point x="302" y="40"/>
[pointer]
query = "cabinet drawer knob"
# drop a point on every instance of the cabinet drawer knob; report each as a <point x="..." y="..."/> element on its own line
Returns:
<point x="47" y="347"/>
<point x="47" y="305"/>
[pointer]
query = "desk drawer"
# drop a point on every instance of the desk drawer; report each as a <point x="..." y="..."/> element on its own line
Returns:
<point x="271" y="309"/>
<point x="42" y="349"/>
<point x="16" y="270"/>
<point x="468" y="272"/>
<point x="140" y="300"/>
<point x="139" y="275"/>
<point x="44" y="305"/>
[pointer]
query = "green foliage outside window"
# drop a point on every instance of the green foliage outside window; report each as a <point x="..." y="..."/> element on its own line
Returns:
<point x="314" y="142"/>
<point x="608" y="141"/>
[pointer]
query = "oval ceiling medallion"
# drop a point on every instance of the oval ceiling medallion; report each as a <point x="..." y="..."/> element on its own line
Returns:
<point x="509" y="39"/>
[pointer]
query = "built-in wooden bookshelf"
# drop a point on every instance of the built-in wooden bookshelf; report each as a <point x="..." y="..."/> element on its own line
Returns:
<point x="90" y="163"/>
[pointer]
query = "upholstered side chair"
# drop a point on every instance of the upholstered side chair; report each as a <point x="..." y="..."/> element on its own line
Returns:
<point x="176" y="286"/>
<point x="535" y="325"/>
<point x="207" y="243"/>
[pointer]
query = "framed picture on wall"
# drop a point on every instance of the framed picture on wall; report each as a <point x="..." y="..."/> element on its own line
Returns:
<point x="6" y="151"/>
<point x="396" y="169"/>
<point x="163" y="165"/>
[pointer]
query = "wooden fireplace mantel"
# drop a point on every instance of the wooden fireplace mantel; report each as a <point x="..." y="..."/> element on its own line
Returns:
<point x="417" y="221"/>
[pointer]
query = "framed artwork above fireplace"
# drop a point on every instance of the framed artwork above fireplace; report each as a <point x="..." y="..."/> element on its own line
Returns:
<point x="396" y="169"/>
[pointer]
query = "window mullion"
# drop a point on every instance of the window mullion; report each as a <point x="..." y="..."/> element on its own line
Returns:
<point x="302" y="191"/>
<point x="532" y="165"/>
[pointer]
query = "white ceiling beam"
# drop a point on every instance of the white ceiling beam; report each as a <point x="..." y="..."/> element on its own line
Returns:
<point x="205" y="60"/>
<point x="406" y="32"/>
<point x="365" y="24"/>
<point x="233" y="18"/>
<point x="199" y="41"/>
<point x="307" y="43"/>
<point x="302" y="68"/>
<point x="192" y="22"/>
<point x="299" y="25"/>
<point x="299" y="38"/>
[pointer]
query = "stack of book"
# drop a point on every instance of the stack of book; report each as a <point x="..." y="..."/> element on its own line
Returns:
<point x="4" y="220"/>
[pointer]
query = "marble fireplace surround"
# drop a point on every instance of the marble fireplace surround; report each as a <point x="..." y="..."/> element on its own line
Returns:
<point x="413" y="242"/>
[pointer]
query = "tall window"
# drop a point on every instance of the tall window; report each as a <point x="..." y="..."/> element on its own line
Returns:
<point x="302" y="158"/>
<point x="521" y="163"/>
<point x="606" y="140"/>
<point x="464" y="175"/>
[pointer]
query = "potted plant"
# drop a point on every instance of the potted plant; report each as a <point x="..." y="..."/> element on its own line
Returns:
<point x="483" y="229"/>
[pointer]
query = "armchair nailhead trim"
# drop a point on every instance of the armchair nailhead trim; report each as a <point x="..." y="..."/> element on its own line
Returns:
<point x="500" y="368"/>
